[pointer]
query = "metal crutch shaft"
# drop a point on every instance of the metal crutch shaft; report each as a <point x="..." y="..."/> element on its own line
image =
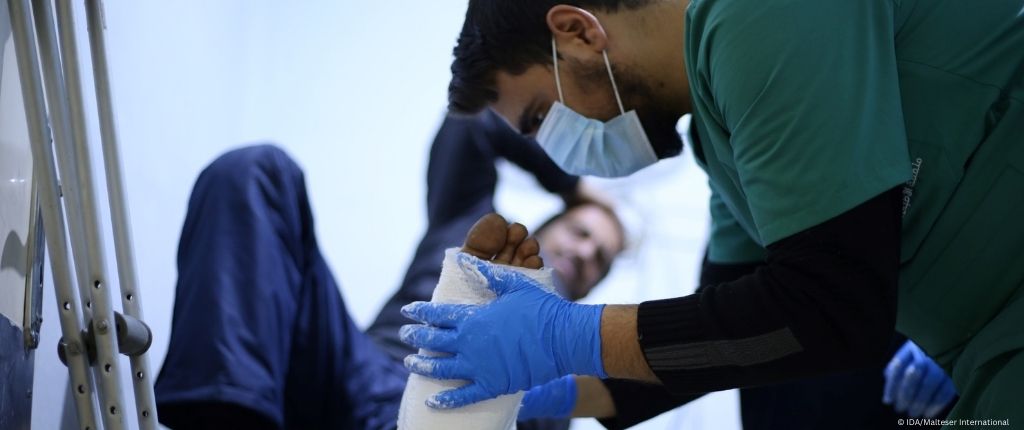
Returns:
<point x="56" y="236"/>
<point x="60" y="125"/>
<point x="107" y="370"/>
<point x="131" y="301"/>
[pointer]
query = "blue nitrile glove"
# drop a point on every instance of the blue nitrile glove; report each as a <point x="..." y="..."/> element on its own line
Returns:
<point x="524" y="338"/>
<point x="917" y="385"/>
<point x="556" y="399"/>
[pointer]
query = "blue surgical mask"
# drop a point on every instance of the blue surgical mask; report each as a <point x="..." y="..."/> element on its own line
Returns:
<point x="584" y="146"/>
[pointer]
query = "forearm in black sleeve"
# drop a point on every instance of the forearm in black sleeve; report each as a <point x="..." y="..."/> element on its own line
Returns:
<point x="712" y="273"/>
<point x="636" y="402"/>
<point x="825" y="300"/>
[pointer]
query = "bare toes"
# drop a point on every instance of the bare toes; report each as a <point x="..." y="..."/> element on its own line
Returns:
<point x="526" y="249"/>
<point x="487" y="237"/>
<point x="514" y="236"/>
<point x="533" y="262"/>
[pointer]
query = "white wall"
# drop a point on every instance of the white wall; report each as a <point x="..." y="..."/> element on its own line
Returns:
<point x="354" y="90"/>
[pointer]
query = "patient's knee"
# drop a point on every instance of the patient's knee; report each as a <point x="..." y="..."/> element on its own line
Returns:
<point x="238" y="169"/>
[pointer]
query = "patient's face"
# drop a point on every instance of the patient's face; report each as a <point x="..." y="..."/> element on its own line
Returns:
<point x="580" y="246"/>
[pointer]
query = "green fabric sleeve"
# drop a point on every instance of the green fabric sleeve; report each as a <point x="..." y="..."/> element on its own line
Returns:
<point x="729" y="243"/>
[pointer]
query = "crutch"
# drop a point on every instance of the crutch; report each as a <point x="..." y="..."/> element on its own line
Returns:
<point x="93" y="335"/>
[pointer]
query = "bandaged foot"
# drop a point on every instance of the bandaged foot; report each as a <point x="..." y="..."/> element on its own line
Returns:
<point x="491" y="239"/>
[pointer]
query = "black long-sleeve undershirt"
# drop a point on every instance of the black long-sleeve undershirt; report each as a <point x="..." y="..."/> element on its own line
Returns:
<point x="824" y="300"/>
<point x="636" y="401"/>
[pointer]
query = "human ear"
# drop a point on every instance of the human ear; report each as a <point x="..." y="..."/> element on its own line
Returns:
<point x="576" y="31"/>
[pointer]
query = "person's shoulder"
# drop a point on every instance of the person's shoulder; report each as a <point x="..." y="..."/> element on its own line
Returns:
<point x="753" y="12"/>
<point x="741" y="22"/>
<point x="707" y="19"/>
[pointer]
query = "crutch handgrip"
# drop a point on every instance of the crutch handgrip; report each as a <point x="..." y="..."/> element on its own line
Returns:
<point x="133" y="335"/>
<point x="133" y="338"/>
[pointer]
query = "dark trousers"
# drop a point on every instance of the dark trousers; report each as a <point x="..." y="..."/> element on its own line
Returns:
<point x="260" y="335"/>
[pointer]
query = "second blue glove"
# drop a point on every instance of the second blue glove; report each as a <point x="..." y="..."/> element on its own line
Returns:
<point x="915" y="385"/>
<point x="556" y="399"/>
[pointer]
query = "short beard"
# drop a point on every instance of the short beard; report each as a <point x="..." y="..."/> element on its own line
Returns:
<point x="657" y="119"/>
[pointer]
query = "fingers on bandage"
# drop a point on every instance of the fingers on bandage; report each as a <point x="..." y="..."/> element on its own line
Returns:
<point x="426" y="337"/>
<point x="500" y="279"/>
<point x="458" y="397"/>
<point x="437" y="367"/>
<point x="438" y="314"/>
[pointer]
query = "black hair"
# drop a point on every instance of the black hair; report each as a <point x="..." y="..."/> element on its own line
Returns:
<point x="509" y="36"/>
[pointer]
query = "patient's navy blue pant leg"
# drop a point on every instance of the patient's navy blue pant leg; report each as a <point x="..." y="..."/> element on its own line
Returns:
<point x="259" y="323"/>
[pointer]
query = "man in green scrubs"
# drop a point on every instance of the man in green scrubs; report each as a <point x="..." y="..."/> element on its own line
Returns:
<point x="942" y="81"/>
<point x="823" y="125"/>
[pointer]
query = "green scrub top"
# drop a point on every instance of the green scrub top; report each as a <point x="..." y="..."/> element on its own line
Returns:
<point x="728" y="242"/>
<point x="807" y="108"/>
